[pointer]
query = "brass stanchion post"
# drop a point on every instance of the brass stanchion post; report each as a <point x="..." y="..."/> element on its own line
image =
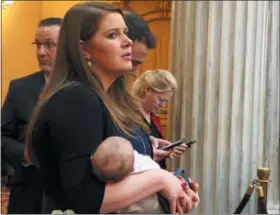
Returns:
<point x="263" y="179"/>
<point x="262" y="208"/>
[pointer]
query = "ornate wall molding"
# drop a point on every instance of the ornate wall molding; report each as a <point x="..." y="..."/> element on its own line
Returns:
<point x="156" y="19"/>
<point x="156" y="15"/>
<point x="165" y="7"/>
<point x="162" y="13"/>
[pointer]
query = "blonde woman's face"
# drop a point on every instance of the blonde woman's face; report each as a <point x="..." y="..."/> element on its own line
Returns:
<point x="155" y="100"/>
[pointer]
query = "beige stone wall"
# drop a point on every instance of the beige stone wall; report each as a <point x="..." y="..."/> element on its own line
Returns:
<point x="225" y="56"/>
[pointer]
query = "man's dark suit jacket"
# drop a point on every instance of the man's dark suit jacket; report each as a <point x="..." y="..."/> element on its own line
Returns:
<point x="16" y="111"/>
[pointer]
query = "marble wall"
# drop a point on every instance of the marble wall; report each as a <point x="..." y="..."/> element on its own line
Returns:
<point x="225" y="56"/>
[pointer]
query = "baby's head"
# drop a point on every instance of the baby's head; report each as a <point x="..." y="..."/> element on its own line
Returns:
<point x="113" y="160"/>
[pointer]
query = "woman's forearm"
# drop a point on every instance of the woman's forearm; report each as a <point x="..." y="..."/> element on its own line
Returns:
<point x="132" y="189"/>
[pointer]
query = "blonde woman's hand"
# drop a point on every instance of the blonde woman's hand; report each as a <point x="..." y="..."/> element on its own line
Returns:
<point x="158" y="143"/>
<point x="178" y="151"/>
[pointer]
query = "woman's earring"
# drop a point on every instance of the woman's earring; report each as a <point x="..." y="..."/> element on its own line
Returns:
<point x="89" y="63"/>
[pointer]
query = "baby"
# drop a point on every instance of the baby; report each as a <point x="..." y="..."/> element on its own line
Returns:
<point x="114" y="160"/>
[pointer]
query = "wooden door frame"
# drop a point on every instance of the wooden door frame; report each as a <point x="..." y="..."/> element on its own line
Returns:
<point x="156" y="15"/>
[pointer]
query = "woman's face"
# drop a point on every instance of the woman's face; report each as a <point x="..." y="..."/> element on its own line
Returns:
<point x="155" y="100"/>
<point x="110" y="49"/>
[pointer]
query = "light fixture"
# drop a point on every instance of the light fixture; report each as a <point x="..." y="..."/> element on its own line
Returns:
<point x="5" y="4"/>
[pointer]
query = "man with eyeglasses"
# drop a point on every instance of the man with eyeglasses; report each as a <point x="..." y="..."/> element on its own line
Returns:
<point x="26" y="188"/>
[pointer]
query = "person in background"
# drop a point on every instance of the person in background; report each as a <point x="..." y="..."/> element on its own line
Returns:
<point x="143" y="41"/>
<point x="154" y="88"/>
<point x="141" y="36"/>
<point x="25" y="184"/>
<point x="86" y="101"/>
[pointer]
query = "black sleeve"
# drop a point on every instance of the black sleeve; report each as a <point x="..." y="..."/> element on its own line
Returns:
<point x="12" y="149"/>
<point x="156" y="133"/>
<point x="76" y="125"/>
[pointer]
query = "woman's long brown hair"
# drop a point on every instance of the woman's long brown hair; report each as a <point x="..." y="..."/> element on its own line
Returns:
<point x="79" y="24"/>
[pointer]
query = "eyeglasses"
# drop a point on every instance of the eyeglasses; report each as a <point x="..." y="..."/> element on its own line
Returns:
<point x="47" y="45"/>
<point x="161" y="100"/>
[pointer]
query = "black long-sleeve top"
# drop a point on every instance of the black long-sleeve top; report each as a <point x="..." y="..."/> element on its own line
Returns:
<point x="74" y="122"/>
<point x="156" y="133"/>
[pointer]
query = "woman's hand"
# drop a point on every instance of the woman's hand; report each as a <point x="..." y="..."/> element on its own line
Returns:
<point x="192" y="194"/>
<point x="180" y="199"/>
<point x="162" y="154"/>
<point x="158" y="143"/>
<point x="178" y="151"/>
<point x="185" y="205"/>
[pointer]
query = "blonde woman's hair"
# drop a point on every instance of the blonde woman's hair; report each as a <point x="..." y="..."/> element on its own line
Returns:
<point x="159" y="80"/>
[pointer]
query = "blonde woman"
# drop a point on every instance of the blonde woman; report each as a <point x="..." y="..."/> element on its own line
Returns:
<point x="154" y="88"/>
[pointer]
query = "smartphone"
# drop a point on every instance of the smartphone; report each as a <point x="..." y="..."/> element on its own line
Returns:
<point x="177" y="143"/>
<point x="187" y="179"/>
<point x="181" y="172"/>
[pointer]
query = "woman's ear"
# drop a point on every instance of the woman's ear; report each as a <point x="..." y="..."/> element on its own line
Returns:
<point x="84" y="49"/>
<point x="146" y="90"/>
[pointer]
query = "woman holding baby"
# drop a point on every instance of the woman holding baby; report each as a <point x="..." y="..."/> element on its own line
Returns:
<point x="83" y="103"/>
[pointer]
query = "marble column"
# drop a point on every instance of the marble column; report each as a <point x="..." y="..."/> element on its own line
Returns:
<point x="225" y="57"/>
